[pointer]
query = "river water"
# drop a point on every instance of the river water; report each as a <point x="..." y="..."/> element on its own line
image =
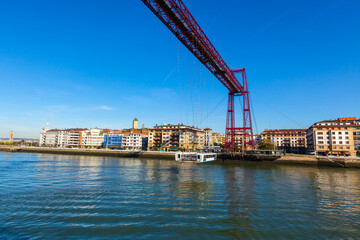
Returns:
<point x="45" y="196"/>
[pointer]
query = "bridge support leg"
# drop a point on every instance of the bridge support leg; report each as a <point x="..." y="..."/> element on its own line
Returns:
<point x="245" y="132"/>
<point x="230" y="124"/>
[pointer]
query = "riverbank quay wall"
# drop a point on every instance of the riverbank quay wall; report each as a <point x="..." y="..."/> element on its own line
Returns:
<point x="294" y="159"/>
<point x="93" y="152"/>
<point x="289" y="159"/>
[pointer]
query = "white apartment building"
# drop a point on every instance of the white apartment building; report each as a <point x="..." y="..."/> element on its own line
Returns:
<point x="43" y="135"/>
<point x="135" y="141"/>
<point x="92" y="138"/>
<point x="69" y="137"/>
<point x="208" y="138"/>
<point x="53" y="137"/>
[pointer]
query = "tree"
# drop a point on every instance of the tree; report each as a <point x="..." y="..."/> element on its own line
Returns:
<point x="237" y="148"/>
<point x="266" y="144"/>
<point x="358" y="153"/>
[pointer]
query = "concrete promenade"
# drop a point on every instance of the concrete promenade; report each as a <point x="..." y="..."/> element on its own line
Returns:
<point x="289" y="159"/>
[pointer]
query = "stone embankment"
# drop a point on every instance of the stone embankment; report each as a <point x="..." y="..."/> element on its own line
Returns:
<point x="344" y="162"/>
<point x="91" y="152"/>
<point x="298" y="159"/>
<point x="292" y="159"/>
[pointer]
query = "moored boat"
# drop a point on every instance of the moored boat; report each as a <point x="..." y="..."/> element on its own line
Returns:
<point x="195" y="157"/>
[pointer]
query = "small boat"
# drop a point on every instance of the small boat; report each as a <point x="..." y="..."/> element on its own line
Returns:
<point x="195" y="157"/>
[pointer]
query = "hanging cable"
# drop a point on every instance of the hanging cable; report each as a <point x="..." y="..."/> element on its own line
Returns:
<point x="191" y="97"/>
<point x="253" y="115"/>
<point x="283" y="114"/>
<point x="179" y="78"/>
<point x="195" y="96"/>
<point x="199" y="97"/>
<point x="217" y="105"/>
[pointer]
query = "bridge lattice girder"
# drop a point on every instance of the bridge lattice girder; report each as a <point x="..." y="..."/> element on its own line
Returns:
<point x="175" y="15"/>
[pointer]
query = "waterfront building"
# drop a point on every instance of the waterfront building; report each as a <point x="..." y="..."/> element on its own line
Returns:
<point x="218" y="139"/>
<point x="92" y="138"/>
<point x="53" y="137"/>
<point x="74" y="138"/>
<point x="43" y="135"/>
<point x="176" y="137"/>
<point x="209" y="140"/>
<point x="60" y="137"/>
<point x="240" y="140"/>
<point x="11" y="137"/>
<point x="289" y="140"/>
<point x="257" y="139"/>
<point x="135" y="141"/>
<point x="113" y="140"/>
<point x="334" y="137"/>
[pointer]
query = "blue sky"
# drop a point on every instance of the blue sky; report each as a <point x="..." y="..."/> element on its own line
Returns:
<point x="102" y="63"/>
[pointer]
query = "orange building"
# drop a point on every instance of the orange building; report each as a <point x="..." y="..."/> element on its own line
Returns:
<point x="335" y="137"/>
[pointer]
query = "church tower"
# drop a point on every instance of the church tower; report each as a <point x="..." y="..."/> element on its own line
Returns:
<point x="135" y="123"/>
<point x="11" y="137"/>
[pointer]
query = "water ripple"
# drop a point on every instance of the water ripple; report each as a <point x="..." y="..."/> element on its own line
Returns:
<point x="54" y="196"/>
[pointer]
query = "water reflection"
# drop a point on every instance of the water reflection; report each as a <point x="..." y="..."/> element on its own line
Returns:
<point x="83" y="196"/>
<point x="240" y="195"/>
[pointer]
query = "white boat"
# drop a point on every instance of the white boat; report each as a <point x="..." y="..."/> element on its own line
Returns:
<point x="195" y="157"/>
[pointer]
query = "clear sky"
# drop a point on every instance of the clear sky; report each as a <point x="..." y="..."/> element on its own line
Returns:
<point x="102" y="63"/>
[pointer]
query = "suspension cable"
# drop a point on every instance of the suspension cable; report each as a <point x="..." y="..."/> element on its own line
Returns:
<point x="283" y="114"/>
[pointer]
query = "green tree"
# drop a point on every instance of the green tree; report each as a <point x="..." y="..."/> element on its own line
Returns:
<point x="358" y="153"/>
<point x="266" y="144"/>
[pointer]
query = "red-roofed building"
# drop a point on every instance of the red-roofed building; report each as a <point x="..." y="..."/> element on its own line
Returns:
<point x="289" y="140"/>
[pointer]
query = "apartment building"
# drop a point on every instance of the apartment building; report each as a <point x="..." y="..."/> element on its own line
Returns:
<point x="334" y="137"/>
<point x="113" y="140"/>
<point x="175" y="137"/>
<point x="218" y="139"/>
<point x="43" y="135"/>
<point x="289" y="140"/>
<point x="135" y="141"/>
<point x="74" y="137"/>
<point x="53" y="137"/>
<point x="92" y="138"/>
<point x="208" y="135"/>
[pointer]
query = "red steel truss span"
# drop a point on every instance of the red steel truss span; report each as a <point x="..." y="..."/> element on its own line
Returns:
<point x="175" y="15"/>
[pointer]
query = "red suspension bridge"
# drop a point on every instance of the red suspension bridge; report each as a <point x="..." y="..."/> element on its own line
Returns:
<point x="175" y="15"/>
